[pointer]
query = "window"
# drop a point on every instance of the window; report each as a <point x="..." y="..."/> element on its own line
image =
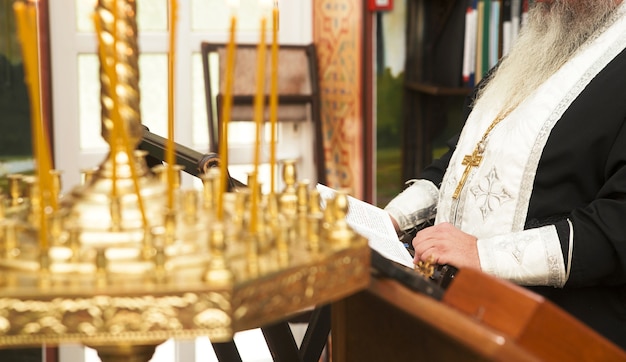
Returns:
<point x="76" y="88"/>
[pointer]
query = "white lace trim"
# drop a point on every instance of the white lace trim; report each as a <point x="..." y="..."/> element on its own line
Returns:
<point x="570" y="250"/>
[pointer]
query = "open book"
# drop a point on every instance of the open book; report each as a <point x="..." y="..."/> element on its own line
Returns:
<point x="374" y="224"/>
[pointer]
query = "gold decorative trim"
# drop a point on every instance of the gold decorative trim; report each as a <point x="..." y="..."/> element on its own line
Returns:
<point x="217" y="314"/>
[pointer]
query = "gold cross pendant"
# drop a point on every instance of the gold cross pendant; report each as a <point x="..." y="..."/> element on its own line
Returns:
<point x="469" y="161"/>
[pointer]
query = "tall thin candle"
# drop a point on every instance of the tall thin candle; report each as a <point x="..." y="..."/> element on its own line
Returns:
<point x="226" y="110"/>
<point x="259" y="102"/>
<point x="274" y="97"/>
<point x="26" y="17"/>
<point x="116" y="141"/>
<point x="169" y="157"/>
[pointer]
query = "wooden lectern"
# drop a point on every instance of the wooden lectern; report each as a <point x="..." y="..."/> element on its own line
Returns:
<point x="479" y="318"/>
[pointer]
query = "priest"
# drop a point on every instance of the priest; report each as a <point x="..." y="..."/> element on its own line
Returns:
<point x="533" y="190"/>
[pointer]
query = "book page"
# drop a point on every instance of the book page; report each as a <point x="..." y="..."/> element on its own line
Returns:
<point x="375" y="225"/>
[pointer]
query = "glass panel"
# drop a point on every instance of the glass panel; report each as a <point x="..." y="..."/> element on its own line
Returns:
<point x="241" y="133"/>
<point x="84" y="13"/>
<point x="151" y="15"/>
<point x="244" y="133"/>
<point x="199" y="108"/>
<point x="89" y="103"/>
<point x="153" y="87"/>
<point x="214" y="70"/>
<point x="209" y="15"/>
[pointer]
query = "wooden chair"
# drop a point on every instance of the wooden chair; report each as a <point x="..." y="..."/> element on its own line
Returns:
<point x="299" y="102"/>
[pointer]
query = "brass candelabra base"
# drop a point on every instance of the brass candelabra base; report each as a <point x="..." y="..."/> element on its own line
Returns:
<point x="126" y="352"/>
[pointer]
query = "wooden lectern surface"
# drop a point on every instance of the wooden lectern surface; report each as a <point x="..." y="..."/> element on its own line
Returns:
<point x="479" y="319"/>
<point x="534" y="322"/>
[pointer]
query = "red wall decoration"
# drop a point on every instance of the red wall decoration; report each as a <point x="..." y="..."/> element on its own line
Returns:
<point x="338" y="33"/>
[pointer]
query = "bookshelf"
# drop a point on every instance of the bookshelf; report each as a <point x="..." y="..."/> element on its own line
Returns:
<point x="437" y="78"/>
<point x="433" y="87"/>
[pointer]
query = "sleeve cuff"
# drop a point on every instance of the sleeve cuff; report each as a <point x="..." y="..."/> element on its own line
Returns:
<point x="415" y="205"/>
<point x="529" y="257"/>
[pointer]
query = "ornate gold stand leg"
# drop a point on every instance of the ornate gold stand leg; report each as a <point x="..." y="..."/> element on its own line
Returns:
<point x="126" y="353"/>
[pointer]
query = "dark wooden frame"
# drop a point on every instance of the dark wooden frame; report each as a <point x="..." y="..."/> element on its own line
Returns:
<point x="369" y="128"/>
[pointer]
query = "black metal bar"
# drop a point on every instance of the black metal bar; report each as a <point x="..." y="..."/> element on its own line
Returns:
<point x="226" y="352"/>
<point x="186" y="157"/>
<point x="194" y="162"/>
<point x="280" y="342"/>
<point x="316" y="335"/>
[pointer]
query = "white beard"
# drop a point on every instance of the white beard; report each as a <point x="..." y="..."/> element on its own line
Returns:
<point x="553" y="34"/>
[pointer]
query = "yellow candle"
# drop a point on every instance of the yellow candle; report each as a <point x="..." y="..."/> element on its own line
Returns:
<point x="169" y="157"/>
<point x="274" y="97"/>
<point x="116" y="142"/>
<point x="226" y="110"/>
<point x="26" y="19"/>
<point x="259" y="102"/>
<point x="119" y="131"/>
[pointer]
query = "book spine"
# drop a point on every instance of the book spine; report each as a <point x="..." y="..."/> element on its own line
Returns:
<point x="507" y="27"/>
<point x="480" y="13"/>
<point x="473" y="81"/>
<point x="524" y="12"/>
<point x="494" y="33"/>
<point x="516" y="19"/>
<point x="469" y="46"/>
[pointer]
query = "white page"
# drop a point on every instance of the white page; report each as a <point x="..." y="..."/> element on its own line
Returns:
<point x="374" y="224"/>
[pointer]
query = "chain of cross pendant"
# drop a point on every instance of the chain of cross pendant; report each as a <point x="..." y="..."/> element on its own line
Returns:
<point x="473" y="160"/>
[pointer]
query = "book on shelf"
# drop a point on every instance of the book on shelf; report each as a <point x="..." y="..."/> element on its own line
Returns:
<point x="469" y="47"/>
<point x="507" y="26"/>
<point x="486" y="36"/>
<point x="491" y="28"/>
<point x="524" y="12"/>
<point x="480" y="14"/>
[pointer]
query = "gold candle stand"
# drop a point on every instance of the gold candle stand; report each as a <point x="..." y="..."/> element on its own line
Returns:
<point x="123" y="278"/>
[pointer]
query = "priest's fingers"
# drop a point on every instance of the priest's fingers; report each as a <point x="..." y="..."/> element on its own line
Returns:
<point x="426" y="245"/>
<point x="449" y="244"/>
<point x="432" y="237"/>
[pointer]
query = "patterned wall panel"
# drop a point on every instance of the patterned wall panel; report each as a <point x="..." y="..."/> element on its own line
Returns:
<point x="337" y="33"/>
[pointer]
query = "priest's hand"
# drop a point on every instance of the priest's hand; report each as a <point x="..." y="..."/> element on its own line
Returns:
<point x="445" y="244"/>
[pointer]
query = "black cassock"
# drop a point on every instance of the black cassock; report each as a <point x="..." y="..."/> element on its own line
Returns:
<point x="581" y="176"/>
